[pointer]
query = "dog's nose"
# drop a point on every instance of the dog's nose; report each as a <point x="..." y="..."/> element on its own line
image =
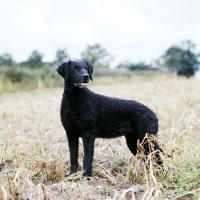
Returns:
<point x="85" y="76"/>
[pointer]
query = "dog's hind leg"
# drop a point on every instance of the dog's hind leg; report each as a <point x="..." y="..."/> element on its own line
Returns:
<point x="73" y="149"/>
<point x="131" y="142"/>
<point x="155" y="147"/>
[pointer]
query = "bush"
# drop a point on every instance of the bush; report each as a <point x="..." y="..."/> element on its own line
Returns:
<point x="15" y="74"/>
<point x="19" y="78"/>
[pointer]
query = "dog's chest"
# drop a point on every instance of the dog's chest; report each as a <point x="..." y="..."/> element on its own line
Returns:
<point x="76" y="115"/>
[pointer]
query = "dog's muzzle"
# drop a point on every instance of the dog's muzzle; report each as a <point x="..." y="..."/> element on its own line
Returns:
<point x="81" y="85"/>
<point x="84" y="81"/>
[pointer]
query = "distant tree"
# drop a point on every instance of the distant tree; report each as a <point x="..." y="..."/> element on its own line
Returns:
<point x="61" y="56"/>
<point x="6" y="60"/>
<point x="34" y="60"/>
<point x="139" y="66"/>
<point x="134" y="66"/>
<point x="97" y="55"/>
<point x="182" y="59"/>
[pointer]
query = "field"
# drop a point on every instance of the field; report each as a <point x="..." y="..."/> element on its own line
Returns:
<point x="34" y="154"/>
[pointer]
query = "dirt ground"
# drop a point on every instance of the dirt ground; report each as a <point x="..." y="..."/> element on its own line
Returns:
<point x="35" y="156"/>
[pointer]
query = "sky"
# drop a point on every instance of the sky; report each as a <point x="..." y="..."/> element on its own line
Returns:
<point x="130" y="30"/>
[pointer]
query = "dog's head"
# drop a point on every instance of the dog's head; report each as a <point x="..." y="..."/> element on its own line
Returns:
<point x="76" y="73"/>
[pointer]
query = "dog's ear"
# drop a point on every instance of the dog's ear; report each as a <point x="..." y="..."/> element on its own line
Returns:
<point x="63" y="69"/>
<point x="90" y="69"/>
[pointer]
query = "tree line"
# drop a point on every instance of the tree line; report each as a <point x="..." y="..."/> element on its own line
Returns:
<point x="180" y="59"/>
<point x="95" y="54"/>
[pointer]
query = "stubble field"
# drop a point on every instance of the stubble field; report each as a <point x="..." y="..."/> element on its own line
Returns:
<point x="34" y="154"/>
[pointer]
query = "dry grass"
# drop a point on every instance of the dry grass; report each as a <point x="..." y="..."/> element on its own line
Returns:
<point x="34" y="154"/>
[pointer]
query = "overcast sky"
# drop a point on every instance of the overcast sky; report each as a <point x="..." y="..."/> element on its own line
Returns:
<point x="134" y="30"/>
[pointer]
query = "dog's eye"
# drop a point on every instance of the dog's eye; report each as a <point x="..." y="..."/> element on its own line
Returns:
<point x="86" y="68"/>
<point x="76" y="67"/>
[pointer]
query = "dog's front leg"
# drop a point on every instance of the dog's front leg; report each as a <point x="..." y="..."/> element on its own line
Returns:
<point x="73" y="149"/>
<point x="88" y="144"/>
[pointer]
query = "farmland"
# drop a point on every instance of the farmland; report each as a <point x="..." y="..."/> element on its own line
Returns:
<point x="34" y="154"/>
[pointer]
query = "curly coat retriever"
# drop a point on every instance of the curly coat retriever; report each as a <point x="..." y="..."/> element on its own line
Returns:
<point x="89" y="115"/>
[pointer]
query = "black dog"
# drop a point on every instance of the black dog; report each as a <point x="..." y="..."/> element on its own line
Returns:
<point x="88" y="115"/>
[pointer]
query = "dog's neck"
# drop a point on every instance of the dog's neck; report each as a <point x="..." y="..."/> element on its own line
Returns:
<point x="74" y="91"/>
<point x="74" y="95"/>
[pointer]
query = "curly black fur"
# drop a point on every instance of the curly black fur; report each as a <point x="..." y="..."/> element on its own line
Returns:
<point x="89" y="115"/>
